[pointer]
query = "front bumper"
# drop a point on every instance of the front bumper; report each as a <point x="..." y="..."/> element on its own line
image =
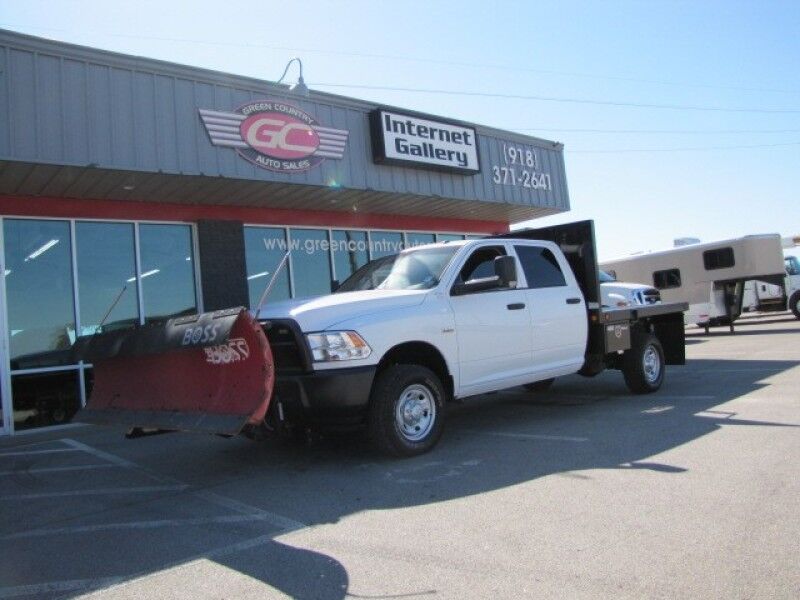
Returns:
<point x="337" y="397"/>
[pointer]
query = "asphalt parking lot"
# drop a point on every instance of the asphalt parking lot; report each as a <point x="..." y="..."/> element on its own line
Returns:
<point x="589" y="492"/>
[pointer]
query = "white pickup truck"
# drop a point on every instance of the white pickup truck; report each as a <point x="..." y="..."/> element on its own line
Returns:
<point x="454" y="320"/>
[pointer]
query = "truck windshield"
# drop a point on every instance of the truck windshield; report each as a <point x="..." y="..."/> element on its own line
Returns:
<point x="792" y="265"/>
<point x="410" y="270"/>
<point x="606" y="277"/>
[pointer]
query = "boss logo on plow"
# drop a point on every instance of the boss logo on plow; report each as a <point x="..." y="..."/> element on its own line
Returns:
<point x="199" y="335"/>
<point x="234" y="351"/>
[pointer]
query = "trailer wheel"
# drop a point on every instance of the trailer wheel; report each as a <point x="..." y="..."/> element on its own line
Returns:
<point x="643" y="365"/>
<point x="406" y="415"/>
<point x="540" y="386"/>
<point x="794" y="304"/>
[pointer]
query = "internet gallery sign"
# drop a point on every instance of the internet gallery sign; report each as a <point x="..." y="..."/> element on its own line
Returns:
<point x="412" y="141"/>
<point x="275" y="136"/>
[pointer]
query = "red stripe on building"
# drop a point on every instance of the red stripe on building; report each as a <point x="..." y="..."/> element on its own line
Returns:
<point x="68" y="208"/>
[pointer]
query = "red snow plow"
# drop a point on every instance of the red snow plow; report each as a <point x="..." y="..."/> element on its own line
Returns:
<point x="211" y="372"/>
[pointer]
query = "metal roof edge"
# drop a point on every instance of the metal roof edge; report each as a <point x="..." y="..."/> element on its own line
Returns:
<point x="132" y="62"/>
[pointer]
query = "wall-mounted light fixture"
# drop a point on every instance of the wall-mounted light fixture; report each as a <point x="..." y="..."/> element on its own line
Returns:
<point x="300" y="87"/>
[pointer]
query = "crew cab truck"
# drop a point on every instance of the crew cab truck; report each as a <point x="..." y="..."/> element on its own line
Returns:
<point x="458" y="319"/>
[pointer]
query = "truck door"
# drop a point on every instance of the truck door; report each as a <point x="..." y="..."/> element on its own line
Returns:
<point x="557" y="308"/>
<point x="493" y="327"/>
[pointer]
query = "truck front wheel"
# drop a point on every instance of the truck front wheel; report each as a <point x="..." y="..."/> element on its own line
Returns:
<point x="794" y="304"/>
<point x="643" y="365"/>
<point x="406" y="414"/>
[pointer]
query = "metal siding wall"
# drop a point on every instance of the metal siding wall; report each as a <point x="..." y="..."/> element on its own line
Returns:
<point x="5" y="106"/>
<point x="22" y="90"/>
<point x="144" y="122"/>
<point x="74" y="102"/>
<point x="145" y="117"/>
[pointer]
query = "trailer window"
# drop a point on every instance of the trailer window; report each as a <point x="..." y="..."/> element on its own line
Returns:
<point x="722" y="258"/>
<point x="540" y="267"/>
<point x="667" y="279"/>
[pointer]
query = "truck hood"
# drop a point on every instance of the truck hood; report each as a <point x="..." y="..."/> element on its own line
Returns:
<point x="322" y="312"/>
<point x="621" y="285"/>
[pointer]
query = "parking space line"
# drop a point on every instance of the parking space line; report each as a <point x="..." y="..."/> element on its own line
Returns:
<point x="529" y="436"/>
<point x="116" y="460"/>
<point x="155" y="524"/>
<point x="32" y="452"/>
<point x="98" y="492"/>
<point x="55" y="469"/>
<point x="54" y="587"/>
<point x="283" y="523"/>
<point x="103" y="585"/>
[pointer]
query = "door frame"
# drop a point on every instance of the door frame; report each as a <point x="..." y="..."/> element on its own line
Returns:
<point x="7" y="425"/>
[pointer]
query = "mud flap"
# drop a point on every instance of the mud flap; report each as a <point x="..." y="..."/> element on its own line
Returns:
<point x="211" y="373"/>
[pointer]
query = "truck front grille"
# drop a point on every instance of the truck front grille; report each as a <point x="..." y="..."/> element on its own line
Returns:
<point x="286" y="342"/>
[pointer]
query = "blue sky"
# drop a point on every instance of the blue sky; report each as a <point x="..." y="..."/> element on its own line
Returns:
<point x="673" y="173"/>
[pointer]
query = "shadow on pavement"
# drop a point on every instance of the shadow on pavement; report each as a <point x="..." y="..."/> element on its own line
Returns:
<point x="491" y="442"/>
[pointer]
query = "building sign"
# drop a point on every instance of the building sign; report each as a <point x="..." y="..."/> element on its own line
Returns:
<point x="521" y="168"/>
<point x="275" y="135"/>
<point x="412" y="141"/>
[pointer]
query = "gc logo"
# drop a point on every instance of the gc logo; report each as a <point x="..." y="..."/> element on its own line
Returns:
<point x="279" y="135"/>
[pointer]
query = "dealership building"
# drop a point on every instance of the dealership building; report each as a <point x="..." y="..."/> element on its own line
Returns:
<point x="133" y="190"/>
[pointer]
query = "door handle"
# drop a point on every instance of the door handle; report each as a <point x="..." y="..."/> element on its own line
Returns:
<point x="573" y="300"/>
<point x="516" y="306"/>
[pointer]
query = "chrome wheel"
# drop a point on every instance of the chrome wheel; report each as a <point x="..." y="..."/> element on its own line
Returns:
<point x="415" y="412"/>
<point x="651" y="362"/>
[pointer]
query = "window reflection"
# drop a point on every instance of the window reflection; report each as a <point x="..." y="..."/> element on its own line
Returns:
<point x="167" y="275"/>
<point x="384" y="243"/>
<point x="448" y="237"/>
<point x="311" y="262"/>
<point x="106" y="265"/>
<point x="419" y="239"/>
<point x="262" y="260"/>
<point x="45" y="398"/>
<point x="349" y="252"/>
<point x="38" y="277"/>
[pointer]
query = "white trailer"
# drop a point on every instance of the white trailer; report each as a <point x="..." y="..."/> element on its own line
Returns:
<point x="764" y="296"/>
<point x="709" y="276"/>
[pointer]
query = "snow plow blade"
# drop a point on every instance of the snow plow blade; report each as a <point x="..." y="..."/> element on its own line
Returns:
<point x="210" y="373"/>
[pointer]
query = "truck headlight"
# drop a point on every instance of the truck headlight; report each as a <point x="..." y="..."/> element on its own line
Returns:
<point x="337" y="345"/>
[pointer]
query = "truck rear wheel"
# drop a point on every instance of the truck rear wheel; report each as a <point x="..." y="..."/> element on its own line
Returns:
<point x="406" y="414"/>
<point x="794" y="304"/>
<point x="643" y="365"/>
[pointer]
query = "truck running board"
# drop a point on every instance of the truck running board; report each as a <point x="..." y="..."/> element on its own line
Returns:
<point x="210" y="373"/>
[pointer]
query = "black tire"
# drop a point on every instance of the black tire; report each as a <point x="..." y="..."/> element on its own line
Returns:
<point x="423" y="395"/>
<point x="794" y="304"/>
<point x="540" y="386"/>
<point x="639" y="377"/>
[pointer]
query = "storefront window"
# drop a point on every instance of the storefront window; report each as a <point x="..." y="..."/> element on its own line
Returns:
<point x="419" y="239"/>
<point x="265" y="247"/>
<point x="448" y="237"/>
<point x="167" y="276"/>
<point x="349" y="252"/>
<point x="45" y="398"/>
<point x="106" y="265"/>
<point x="311" y="262"/>
<point x="38" y="278"/>
<point x="384" y="243"/>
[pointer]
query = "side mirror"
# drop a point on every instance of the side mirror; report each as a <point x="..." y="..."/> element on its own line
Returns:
<point x="505" y="268"/>
<point x="334" y="285"/>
